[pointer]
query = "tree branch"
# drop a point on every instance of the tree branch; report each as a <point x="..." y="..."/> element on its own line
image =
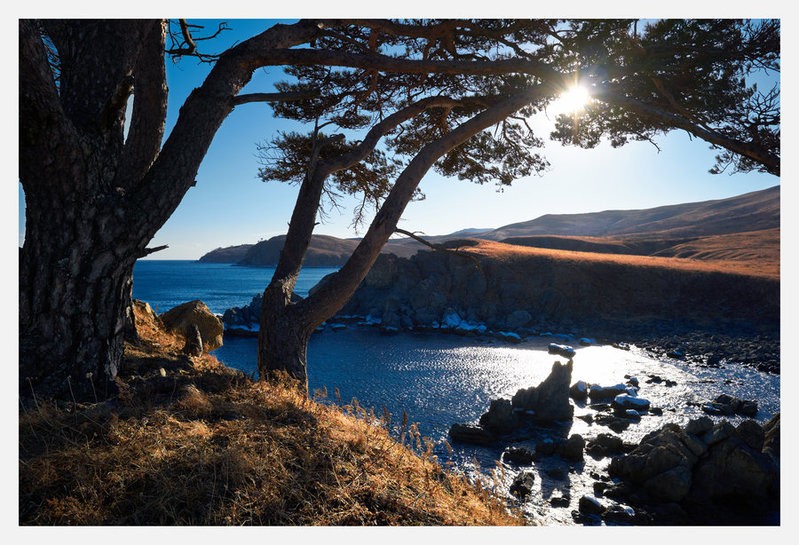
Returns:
<point x="438" y="247"/>
<point x="770" y="161"/>
<point x="147" y="120"/>
<point x="330" y="297"/>
<point x="275" y="97"/>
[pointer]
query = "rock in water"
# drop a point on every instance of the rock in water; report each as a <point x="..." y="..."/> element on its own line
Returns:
<point x="572" y="448"/>
<point x="180" y="318"/>
<point x="518" y="455"/>
<point x="522" y="485"/>
<point x="561" y="350"/>
<point x="500" y="417"/>
<point x="553" y="394"/>
<point x="475" y="435"/>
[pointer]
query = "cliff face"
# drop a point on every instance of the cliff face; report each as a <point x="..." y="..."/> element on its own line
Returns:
<point x="554" y="289"/>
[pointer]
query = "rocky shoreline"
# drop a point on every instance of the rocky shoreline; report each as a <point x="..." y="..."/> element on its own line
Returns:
<point x="701" y="348"/>
<point x="705" y="472"/>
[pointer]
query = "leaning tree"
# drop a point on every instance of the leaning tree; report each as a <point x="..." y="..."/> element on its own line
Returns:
<point x="95" y="197"/>
<point x="673" y="74"/>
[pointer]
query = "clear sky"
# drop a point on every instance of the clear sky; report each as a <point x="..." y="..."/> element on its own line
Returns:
<point x="230" y="205"/>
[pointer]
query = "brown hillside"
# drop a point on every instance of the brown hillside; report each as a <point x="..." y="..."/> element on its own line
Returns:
<point x="191" y="442"/>
<point x="757" y="251"/>
<point x="508" y="252"/>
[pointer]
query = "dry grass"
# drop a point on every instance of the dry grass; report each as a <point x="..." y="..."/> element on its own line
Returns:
<point x="204" y="445"/>
<point x="765" y="268"/>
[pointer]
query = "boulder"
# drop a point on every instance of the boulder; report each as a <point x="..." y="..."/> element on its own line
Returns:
<point x="561" y="350"/>
<point x="182" y="317"/>
<point x="752" y="434"/>
<point x="500" y="418"/>
<point x="474" y="435"/>
<point x="605" y="444"/>
<point x="590" y="505"/>
<point x="522" y="484"/>
<point x="604" y="393"/>
<point x="661" y="464"/>
<point x="705" y="470"/>
<point x="579" y="391"/>
<point x="619" y="514"/>
<point x="553" y="395"/>
<point x="624" y="402"/>
<point x="744" y="407"/>
<point x="572" y="448"/>
<point x="699" y="426"/>
<point x="518" y="455"/>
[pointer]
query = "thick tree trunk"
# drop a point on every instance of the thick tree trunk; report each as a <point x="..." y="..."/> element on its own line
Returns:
<point x="283" y="337"/>
<point x="74" y="299"/>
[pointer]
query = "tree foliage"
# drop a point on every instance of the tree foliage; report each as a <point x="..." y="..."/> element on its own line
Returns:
<point x="700" y="76"/>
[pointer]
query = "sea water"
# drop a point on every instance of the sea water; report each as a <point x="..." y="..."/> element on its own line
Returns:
<point x="438" y="379"/>
<point x="167" y="283"/>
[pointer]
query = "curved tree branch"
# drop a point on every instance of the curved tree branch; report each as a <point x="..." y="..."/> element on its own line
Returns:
<point x="330" y="297"/>
<point x="769" y="160"/>
<point x="146" y="127"/>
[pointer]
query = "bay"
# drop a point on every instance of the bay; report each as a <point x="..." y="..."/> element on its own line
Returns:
<point x="437" y="379"/>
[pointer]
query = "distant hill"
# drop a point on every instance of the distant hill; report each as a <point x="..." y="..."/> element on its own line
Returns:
<point x="745" y="227"/>
<point x="231" y="254"/>
<point x="323" y="251"/>
<point x="749" y="212"/>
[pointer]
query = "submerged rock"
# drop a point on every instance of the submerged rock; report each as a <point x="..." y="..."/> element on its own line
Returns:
<point x="465" y="433"/>
<point x="728" y="405"/>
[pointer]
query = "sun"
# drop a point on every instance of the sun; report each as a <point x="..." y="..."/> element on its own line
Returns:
<point x="573" y="100"/>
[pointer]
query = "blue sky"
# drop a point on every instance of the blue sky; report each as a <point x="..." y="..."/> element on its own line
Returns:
<point x="230" y="205"/>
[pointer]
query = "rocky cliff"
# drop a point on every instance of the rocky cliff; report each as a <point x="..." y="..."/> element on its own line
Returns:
<point x="535" y="291"/>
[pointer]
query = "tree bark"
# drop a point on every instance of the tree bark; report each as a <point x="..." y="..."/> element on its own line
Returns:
<point x="94" y="200"/>
<point x="74" y="300"/>
<point x="283" y="337"/>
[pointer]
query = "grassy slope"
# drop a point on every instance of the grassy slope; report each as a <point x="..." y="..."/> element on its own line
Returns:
<point x="763" y="263"/>
<point x="204" y="445"/>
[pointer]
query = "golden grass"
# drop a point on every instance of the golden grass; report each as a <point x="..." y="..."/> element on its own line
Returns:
<point x="509" y="252"/>
<point x="204" y="445"/>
